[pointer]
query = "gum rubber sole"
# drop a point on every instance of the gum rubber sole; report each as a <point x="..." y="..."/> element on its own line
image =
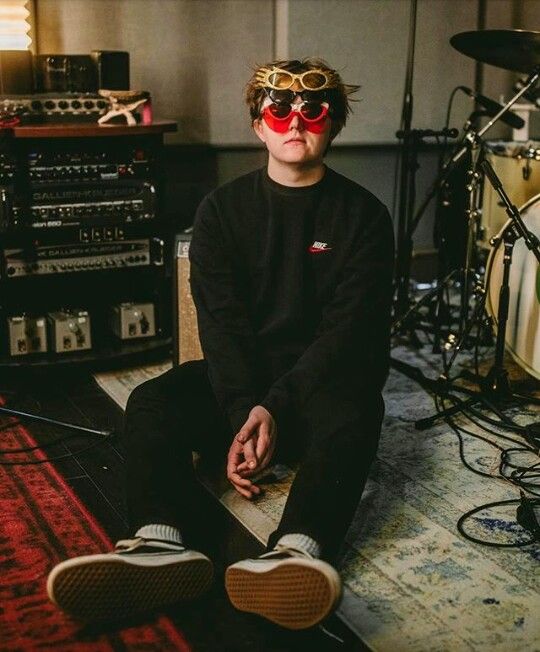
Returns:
<point x="107" y="589"/>
<point x="291" y="594"/>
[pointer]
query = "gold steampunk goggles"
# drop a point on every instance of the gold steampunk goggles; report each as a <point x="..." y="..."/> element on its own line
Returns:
<point x="311" y="80"/>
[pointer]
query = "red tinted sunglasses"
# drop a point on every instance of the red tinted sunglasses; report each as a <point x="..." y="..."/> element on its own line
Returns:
<point x="278" y="116"/>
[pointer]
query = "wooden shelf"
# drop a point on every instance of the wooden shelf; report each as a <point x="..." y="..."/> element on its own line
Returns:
<point x="92" y="129"/>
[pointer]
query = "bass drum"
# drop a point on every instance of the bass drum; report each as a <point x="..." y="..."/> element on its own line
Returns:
<point x="523" y="326"/>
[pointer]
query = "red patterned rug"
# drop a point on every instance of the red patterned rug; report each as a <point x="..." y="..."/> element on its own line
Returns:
<point x="43" y="522"/>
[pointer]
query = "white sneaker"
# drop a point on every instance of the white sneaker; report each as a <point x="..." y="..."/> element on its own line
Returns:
<point x="286" y="585"/>
<point x="140" y="575"/>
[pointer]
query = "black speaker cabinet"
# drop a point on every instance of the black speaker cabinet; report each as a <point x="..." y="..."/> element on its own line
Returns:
<point x="112" y="69"/>
<point x="16" y="72"/>
<point x="186" y="331"/>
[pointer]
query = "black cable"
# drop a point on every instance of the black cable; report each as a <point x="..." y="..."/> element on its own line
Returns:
<point x="504" y="451"/>
<point x="449" y="107"/>
<point x="502" y="463"/>
<point x="494" y="422"/>
<point x="462" y="443"/>
<point x="468" y="408"/>
<point x="491" y="544"/>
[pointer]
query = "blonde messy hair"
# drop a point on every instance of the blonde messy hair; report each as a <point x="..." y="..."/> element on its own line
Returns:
<point x="338" y="95"/>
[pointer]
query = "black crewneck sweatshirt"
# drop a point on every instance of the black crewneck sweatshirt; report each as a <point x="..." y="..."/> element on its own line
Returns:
<point x="292" y="287"/>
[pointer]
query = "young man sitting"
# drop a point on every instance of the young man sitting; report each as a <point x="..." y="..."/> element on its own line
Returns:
<point x="291" y="275"/>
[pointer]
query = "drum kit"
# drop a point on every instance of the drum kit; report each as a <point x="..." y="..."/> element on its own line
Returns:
<point x="498" y="274"/>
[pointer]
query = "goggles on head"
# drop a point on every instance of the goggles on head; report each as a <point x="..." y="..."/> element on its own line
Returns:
<point x="278" y="116"/>
<point x="279" y="79"/>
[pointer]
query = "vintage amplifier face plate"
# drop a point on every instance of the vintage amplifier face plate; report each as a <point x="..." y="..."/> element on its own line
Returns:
<point x="84" y="204"/>
<point x="83" y="257"/>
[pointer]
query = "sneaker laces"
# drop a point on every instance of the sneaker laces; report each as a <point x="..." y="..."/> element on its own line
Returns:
<point x="137" y="543"/>
<point x="288" y="551"/>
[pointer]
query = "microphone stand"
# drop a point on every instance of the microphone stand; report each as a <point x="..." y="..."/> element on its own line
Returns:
<point x="407" y="189"/>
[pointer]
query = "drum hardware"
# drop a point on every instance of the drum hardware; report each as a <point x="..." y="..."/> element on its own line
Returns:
<point x="469" y="145"/>
<point x="405" y="234"/>
<point x="495" y="391"/>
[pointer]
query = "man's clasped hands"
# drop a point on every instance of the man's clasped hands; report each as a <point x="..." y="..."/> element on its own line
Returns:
<point x="251" y="451"/>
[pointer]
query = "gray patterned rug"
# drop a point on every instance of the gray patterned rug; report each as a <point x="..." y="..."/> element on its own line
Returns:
<point x="412" y="582"/>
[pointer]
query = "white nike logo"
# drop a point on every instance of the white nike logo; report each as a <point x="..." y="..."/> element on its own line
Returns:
<point x="317" y="247"/>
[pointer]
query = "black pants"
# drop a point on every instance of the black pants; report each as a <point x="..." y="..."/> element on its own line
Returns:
<point x="334" y="437"/>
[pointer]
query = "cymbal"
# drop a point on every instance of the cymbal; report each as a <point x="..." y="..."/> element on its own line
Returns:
<point x="512" y="49"/>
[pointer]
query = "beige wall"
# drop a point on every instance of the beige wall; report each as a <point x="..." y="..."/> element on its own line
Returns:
<point x="196" y="55"/>
<point x="193" y="55"/>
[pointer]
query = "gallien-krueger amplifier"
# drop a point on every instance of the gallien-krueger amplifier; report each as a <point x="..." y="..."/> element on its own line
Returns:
<point x="87" y="205"/>
<point x="37" y="260"/>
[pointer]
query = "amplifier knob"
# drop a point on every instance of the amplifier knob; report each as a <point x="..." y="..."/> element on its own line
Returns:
<point x="75" y="104"/>
<point x="36" y="105"/>
<point x="88" y="104"/>
<point x="63" y="104"/>
<point x="49" y="104"/>
<point x="10" y="271"/>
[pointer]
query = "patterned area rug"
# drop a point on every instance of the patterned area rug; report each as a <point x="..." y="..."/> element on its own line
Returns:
<point x="42" y="522"/>
<point x="412" y="582"/>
